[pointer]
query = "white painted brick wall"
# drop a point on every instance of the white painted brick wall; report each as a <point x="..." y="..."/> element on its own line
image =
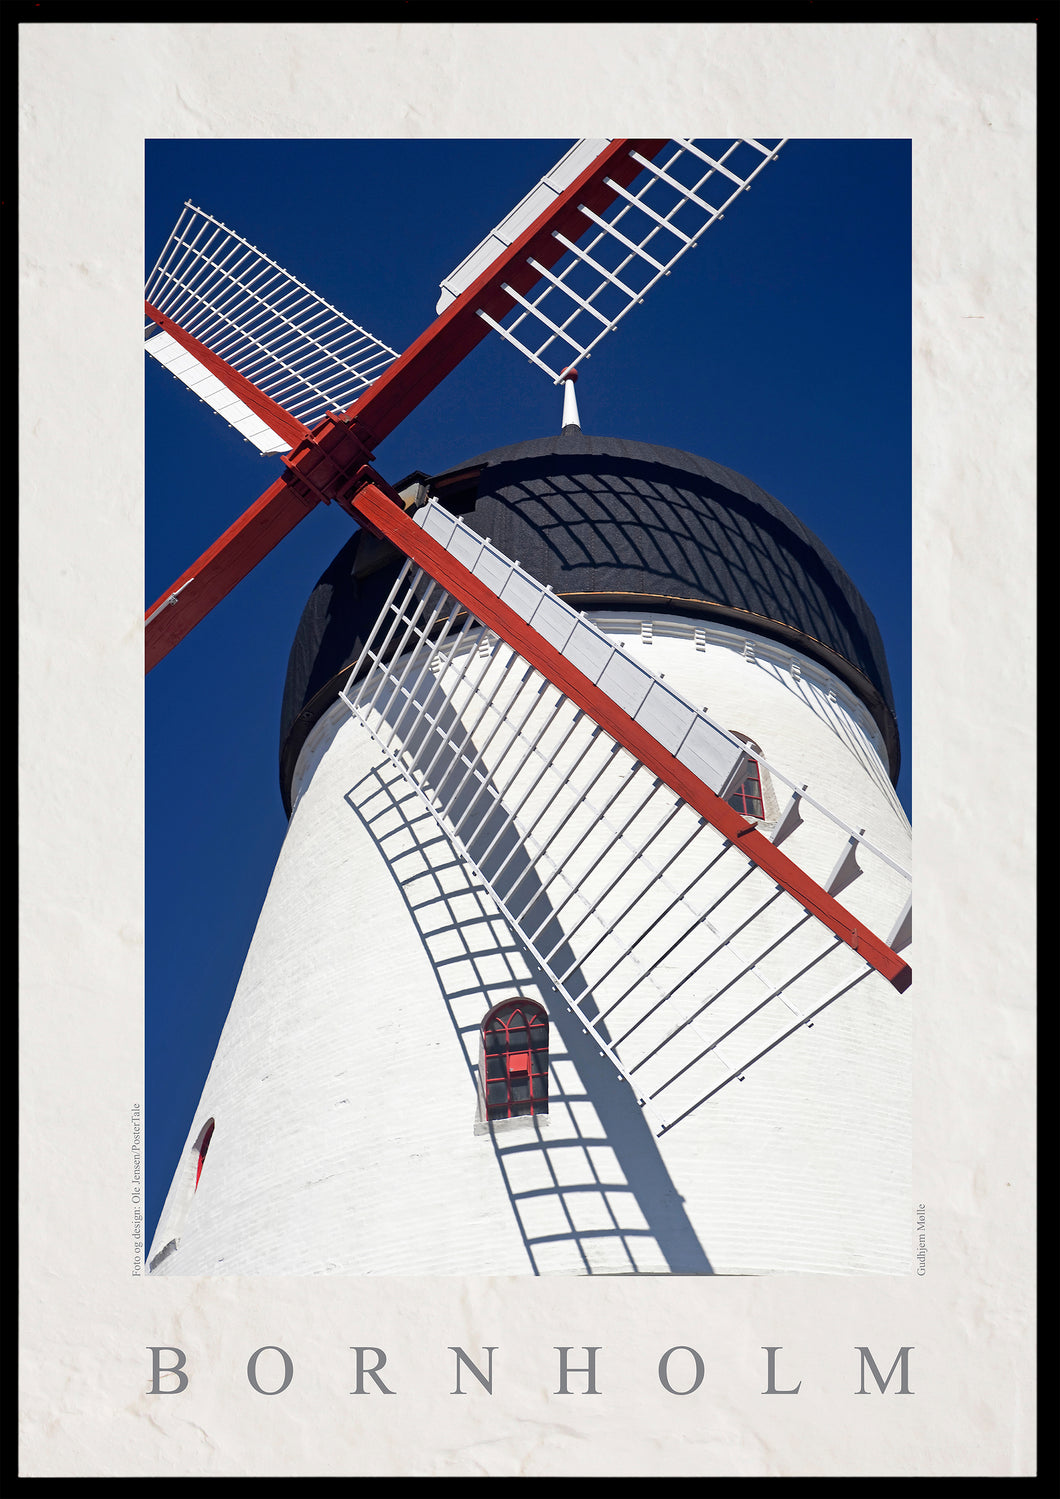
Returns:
<point x="344" y="1084"/>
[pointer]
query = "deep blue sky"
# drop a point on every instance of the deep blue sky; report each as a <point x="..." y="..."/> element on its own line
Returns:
<point x="779" y="348"/>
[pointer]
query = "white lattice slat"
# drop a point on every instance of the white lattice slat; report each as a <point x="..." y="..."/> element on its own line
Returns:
<point x="647" y="229"/>
<point x="680" y="956"/>
<point x="540" y="197"/>
<point x="290" y="343"/>
<point x="208" y="388"/>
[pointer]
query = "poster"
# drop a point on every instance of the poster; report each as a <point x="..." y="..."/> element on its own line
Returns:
<point x="91" y="93"/>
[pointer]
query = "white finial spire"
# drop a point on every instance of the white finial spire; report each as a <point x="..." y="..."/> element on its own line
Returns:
<point x="570" y="400"/>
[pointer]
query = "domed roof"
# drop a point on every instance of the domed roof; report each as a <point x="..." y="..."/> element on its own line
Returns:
<point x="612" y="524"/>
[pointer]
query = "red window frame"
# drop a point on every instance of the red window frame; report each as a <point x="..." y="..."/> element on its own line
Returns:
<point x="747" y="798"/>
<point x="204" y="1146"/>
<point x="515" y="1060"/>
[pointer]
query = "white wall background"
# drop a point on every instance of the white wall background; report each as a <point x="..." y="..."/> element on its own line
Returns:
<point x="343" y="1088"/>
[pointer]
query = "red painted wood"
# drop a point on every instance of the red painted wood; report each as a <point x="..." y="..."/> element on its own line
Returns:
<point x="384" y="405"/>
<point x="459" y="329"/>
<point x="273" y="415"/>
<point x="385" y="518"/>
<point x="221" y="567"/>
<point x="203" y="1148"/>
<point x="323" y="464"/>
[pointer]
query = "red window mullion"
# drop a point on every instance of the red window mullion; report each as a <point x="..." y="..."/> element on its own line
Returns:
<point x="523" y="1061"/>
<point x="203" y="1148"/>
<point x="747" y="800"/>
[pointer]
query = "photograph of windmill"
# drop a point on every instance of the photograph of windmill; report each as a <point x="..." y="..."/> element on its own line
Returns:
<point x="528" y="546"/>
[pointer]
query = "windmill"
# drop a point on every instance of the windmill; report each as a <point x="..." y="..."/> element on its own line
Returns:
<point x="464" y="592"/>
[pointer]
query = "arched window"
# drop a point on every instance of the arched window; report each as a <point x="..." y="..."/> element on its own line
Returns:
<point x="747" y="798"/>
<point x="753" y="797"/>
<point x="515" y="1059"/>
<point x="203" y="1147"/>
<point x="182" y="1197"/>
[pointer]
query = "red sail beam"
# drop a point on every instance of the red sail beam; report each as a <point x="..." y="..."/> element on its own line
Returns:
<point x="274" y="416"/>
<point x="207" y="581"/>
<point x="381" y="515"/>
<point x="453" y="335"/>
<point x="434" y="355"/>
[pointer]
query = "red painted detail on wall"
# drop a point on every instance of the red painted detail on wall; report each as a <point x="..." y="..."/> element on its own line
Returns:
<point x="203" y="1148"/>
<point x="514" y="1059"/>
<point x="747" y="798"/>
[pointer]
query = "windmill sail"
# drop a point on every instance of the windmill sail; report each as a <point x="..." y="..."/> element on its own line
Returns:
<point x="260" y="334"/>
<point x="292" y="361"/>
<point x="683" y="948"/>
<point x="620" y="254"/>
<point x="305" y="357"/>
<point x="516" y="810"/>
<point x="537" y="200"/>
<point x="272" y="357"/>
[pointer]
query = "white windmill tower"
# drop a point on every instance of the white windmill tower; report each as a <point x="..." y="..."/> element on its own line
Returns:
<point x="593" y="843"/>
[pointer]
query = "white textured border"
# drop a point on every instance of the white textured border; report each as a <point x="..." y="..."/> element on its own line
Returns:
<point x="90" y="93"/>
